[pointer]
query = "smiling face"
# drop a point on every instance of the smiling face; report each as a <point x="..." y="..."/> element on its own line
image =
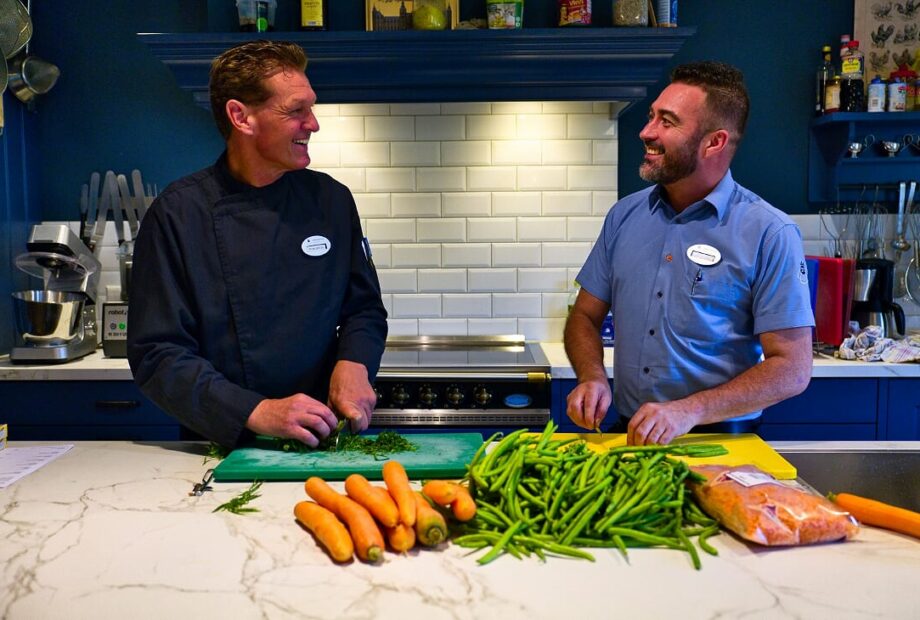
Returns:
<point x="673" y="134"/>
<point x="282" y="126"/>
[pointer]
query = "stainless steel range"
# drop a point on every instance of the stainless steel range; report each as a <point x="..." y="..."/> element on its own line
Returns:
<point x="471" y="381"/>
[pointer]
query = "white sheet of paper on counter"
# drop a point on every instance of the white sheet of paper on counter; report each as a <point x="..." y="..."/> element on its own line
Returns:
<point x="16" y="463"/>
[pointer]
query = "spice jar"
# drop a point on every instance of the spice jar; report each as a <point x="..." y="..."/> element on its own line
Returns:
<point x="574" y="12"/>
<point x="630" y="12"/>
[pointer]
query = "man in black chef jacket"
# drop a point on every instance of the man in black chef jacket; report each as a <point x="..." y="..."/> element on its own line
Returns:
<point x="255" y="307"/>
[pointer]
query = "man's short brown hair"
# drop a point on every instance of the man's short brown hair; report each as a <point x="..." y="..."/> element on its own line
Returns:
<point x="240" y="73"/>
<point x="727" y="99"/>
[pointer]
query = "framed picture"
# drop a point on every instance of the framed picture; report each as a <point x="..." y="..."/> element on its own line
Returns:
<point x="888" y="32"/>
<point x="397" y="14"/>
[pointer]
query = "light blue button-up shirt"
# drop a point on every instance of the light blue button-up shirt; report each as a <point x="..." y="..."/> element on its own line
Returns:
<point x="685" y="325"/>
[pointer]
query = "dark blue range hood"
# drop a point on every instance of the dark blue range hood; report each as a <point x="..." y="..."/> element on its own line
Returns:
<point x="557" y="64"/>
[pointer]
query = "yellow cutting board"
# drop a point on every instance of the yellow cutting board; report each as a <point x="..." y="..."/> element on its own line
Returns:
<point x="743" y="449"/>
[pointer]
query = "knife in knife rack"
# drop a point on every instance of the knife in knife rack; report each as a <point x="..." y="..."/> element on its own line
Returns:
<point x="115" y="204"/>
<point x="139" y="196"/>
<point x="99" y="228"/>
<point x="84" y="209"/>
<point x="127" y="204"/>
<point x="93" y="209"/>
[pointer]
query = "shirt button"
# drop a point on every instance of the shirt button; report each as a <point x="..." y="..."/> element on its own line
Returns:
<point x="660" y="294"/>
<point x="646" y="370"/>
<point x="651" y="332"/>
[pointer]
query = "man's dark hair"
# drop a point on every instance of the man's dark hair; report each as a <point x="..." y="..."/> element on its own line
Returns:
<point x="240" y="73"/>
<point x="727" y="99"/>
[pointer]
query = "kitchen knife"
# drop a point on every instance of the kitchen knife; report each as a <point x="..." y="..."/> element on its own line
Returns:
<point x="99" y="229"/>
<point x="118" y="220"/>
<point x="139" y="194"/>
<point x="93" y="208"/>
<point x="127" y="203"/>
<point x="84" y="208"/>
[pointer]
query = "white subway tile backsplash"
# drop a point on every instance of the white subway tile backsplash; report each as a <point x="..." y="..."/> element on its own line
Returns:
<point x="324" y="154"/>
<point x="492" y="327"/>
<point x="542" y="330"/>
<point x="592" y="177"/>
<point x="493" y="127"/>
<point x="326" y="110"/>
<point x="584" y="228"/>
<point x="566" y="203"/>
<point x="416" y="306"/>
<point x="494" y="178"/>
<point x="398" y="280"/>
<point x="466" y="108"/>
<point x="605" y="151"/>
<point x="442" y="179"/>
<point x="466" y="204"/>
<point x="415" y="153"/>
<point x="442" y="280"/>
<point x="440" y="127"/>
<point x="391" y="231"/>
<point x="390" y="179"/>
<point x="541" y="229"/>
<point x="568" y="107"/>
<point x="590" y="126"/>
<point x="339" y="129"/>
<point x="416" y="205"/>
<point x="565" y="254"/>
<point x="466" y="254"/>
<point x="474" y="305"/>
<point x="415" y="109"/>
<point x="352" y="178"/>
<point x="566" y="152"/>
<point x="389" y="128"/>
<point x="541" y="177"/>
<point x="809" y="226"/>
<point x="466" y="153"/>
<point x="373" y="205"/>
<point x="451" y="230"/>
<point x="491" y="229"/>
<point x="364" y="109"/>
<point x="402" y="327"/>
<point x="365" y="154"/>
<point x="442" y="327"/>
<point x="492" y="280"/>
<point x="516" y="255"/>
<point x="512" y="152"/>
<point x="417" y="255"/>
<point x="555" y="305"/>
<point x="517" y="107"/>
<point x="602" y="201"/>
<point x="516" y="203"/>
<point x="539" y="280"/>
<point x="519" y="305"/>
<point x="541" y="126"/>
<point x="382" y="254"/>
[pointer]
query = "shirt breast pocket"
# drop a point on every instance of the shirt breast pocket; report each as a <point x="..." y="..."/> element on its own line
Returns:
<point x="710" y="306"/>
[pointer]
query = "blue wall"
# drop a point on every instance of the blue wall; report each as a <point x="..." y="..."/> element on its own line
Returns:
<point x="116" y="107"/>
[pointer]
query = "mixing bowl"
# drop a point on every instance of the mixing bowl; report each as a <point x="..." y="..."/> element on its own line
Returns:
<point x="48" y="317"/>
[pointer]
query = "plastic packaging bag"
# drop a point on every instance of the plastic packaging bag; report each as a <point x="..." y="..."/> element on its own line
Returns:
<point x="761" y="509"/>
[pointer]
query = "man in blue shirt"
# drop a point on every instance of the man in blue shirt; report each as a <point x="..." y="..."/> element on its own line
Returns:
<point x="706" y="280"/>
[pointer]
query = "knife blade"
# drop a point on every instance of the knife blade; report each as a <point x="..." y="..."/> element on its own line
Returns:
<point x="95" y="245"/>
<point x="127" y="203"/>
<point x="118" y="220"/>
<point x="139" y="196"/>
<point x="93" y="209"/>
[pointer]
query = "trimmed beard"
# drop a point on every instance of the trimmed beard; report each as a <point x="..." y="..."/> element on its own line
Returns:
<point x="676" y="164"/>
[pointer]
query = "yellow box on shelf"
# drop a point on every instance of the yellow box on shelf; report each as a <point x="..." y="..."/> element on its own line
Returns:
<point x="743" y="449"/>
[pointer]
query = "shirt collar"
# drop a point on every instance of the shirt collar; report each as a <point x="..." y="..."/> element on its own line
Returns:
<point x="719" y="198"/>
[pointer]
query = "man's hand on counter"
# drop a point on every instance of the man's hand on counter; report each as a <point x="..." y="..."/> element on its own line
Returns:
<point x="351" y="394"/>
<point x="587" y="404"/>
<point x="295" y="417"/>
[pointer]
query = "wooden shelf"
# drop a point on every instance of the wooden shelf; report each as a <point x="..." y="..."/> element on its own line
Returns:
<point x="552" y="64"/>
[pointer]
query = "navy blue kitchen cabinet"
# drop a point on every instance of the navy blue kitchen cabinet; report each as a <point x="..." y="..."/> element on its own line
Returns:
<point x="903" y="411"/>
<point x="82" y="410"/>
<point x="842" y="409"/>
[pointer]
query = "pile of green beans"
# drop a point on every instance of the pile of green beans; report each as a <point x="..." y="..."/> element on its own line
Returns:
<point x="536" y="495"/>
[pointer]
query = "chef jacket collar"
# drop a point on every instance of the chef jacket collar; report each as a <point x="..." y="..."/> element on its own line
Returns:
<point x="226" y="178"/>
<point x="718" y="199"/>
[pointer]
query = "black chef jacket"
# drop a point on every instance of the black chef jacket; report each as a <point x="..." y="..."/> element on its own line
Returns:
<point x="227" y="308"/>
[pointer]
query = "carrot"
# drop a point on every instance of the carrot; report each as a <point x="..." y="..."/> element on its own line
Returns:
<point x="430" y="526"/>
<point x="366" y="535"/>
<point x="879" y="514"/>
<point x="401" y="537"/>
<point x="327" y="529"/>
<point x="397" y="481"/>
<point x="377" y="501"/>
<point x="464" y="507"/>
<point x="441" y="492"/>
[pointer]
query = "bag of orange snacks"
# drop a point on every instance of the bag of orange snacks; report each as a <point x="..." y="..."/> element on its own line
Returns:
<point x="759" y="508"/>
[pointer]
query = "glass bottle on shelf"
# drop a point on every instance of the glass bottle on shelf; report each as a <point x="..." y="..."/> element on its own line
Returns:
<point x="825" y="72"/>
<point x="852" y="88"/>
<point x="832" y="95"/>
<point x="314" y="15"/>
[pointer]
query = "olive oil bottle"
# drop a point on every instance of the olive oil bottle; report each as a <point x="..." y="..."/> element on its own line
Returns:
<point x="314" y="15"/>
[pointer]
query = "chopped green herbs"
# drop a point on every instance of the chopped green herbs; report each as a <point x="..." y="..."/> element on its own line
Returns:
<point x="384" y="444"/>
<point x="237" y="505"/>
<point x="215" y="451"/>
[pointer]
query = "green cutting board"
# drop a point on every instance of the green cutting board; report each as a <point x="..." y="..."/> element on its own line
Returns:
<point x="438" y="456"/>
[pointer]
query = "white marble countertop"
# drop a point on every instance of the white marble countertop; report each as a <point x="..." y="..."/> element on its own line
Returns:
<point x="109" y="531"/>
<point x="97" y="367"/>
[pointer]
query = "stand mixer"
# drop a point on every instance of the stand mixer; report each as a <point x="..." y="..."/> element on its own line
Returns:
<point x="58" y="322"/>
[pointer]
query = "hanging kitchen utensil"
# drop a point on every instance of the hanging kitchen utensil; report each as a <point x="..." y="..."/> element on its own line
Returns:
<point x="15" y="27"/>
<point x="3" y="79"/>
<point x="31" y="75"/>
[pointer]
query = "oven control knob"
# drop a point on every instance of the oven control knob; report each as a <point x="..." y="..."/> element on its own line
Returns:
<point x="455" y="396"/>
<point x="482" y="395"/>
<point x="399" y="396"/>
<point x="427" y="396"/>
